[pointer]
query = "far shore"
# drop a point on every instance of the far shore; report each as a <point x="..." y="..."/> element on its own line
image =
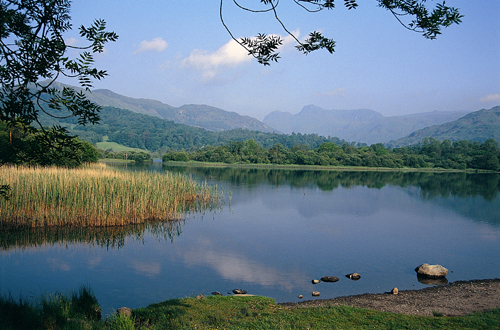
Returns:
<point x="323" y="168"/>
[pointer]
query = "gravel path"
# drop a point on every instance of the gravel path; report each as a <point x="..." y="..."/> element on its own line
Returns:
<point x="454" y="299"/>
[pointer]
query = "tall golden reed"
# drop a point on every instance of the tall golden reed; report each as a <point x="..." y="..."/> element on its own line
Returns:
<point x="95" y="196"/>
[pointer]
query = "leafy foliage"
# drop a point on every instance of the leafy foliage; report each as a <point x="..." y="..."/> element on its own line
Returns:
<point x="32" y="57"/>
<point x="431" y="153"/>
<point x="422" y="20"/>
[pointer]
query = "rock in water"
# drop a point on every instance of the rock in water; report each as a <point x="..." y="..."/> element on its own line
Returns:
<point x="432" y="271"/>
<point x="216" y="293"/>
<point x="353" y="276"/>
<point x="315" y="281"/>
<point x="315" y="293"/>
<point x="239" y="291"/>
<point x="330" y="279"/>
<point x="395" y="291"/>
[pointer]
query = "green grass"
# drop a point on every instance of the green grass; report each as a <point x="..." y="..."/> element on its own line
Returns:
<point x="50" y="311"/>
<point x="96" y="196"/>
<point x="79" y="311"/>
<point x="217" y="312"/>
<point x="115" y="147"/>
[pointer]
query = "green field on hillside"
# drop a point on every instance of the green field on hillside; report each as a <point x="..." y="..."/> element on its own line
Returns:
<point x="116" y="147"/>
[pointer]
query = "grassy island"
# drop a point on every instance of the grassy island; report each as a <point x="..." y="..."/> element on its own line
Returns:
<point x="95" y="196"/>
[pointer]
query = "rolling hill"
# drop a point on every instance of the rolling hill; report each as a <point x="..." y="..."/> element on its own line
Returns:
<point x="477" y="126"/>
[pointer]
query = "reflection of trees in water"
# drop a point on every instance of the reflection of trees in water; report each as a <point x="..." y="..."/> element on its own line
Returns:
<point x="105" y="237"/>
<point x="431" y="184"/>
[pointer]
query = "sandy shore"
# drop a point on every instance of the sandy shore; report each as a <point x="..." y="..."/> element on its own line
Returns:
<point x="454" y="299"/>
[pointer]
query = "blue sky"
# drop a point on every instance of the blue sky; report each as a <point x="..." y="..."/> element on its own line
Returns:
<point x="178" y="52"/>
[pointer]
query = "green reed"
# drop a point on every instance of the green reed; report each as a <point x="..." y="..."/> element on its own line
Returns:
<point x="96" y="196"/>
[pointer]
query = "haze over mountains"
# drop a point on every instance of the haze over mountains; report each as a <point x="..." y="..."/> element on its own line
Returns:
<point x="363" y="125"/>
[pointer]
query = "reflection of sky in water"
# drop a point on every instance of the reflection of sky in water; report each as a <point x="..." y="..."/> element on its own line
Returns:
<point x="273" y="240"/>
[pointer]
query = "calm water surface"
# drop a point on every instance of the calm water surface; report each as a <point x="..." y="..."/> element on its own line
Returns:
<point x="277" y="230"/>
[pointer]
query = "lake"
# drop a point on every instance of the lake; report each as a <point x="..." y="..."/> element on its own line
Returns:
<point x="276" y="231"/>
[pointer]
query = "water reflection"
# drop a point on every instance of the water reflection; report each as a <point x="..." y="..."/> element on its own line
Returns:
<point x="432" y="184"/>
<point x="106" y="237"/>
<point x="456" y="191"/>
<point x="282" y="229"/>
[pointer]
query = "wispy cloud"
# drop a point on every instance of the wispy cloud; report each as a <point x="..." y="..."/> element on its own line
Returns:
<point x="156" y="45"/>
<point x="336" y="92"/>
<point x="71" y="41"/>
<point x="490" y="98"/>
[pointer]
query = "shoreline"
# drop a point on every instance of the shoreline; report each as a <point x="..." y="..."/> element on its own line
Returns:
<point x="454" y="299"/>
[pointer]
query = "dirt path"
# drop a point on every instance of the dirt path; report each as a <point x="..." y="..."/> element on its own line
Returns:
<point x="455" y="299"/>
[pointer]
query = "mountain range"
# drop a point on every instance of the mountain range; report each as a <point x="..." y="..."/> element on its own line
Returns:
<point x="362" y="125"/>
<point x="198" y="115"/>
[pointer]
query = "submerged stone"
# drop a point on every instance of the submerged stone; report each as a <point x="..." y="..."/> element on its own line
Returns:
<point x="353" y="276"/>
<point x="330" y="279"/>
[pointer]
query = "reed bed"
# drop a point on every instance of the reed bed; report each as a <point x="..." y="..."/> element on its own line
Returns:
<point x="96" y="196"/>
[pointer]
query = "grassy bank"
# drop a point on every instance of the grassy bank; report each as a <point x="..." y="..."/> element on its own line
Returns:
<point x="321" y="168"/>
<point x="216" y="312"/>
<point x="95" y="196"/>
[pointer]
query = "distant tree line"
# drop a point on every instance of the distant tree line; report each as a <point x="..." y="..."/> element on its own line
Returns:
<point x="431" y="153"/>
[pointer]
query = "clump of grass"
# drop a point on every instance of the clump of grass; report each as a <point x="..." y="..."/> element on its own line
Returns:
<point x="79" y="310"/>
<point x="96" y="196"/>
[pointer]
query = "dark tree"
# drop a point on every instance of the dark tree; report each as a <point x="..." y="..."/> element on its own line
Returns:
<point x="33" y="55"/>
<point x="412" y="14"/>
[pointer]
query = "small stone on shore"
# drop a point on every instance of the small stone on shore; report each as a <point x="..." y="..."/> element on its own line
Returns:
<point x="239" y="291"/>
<point x="125" y="311"/>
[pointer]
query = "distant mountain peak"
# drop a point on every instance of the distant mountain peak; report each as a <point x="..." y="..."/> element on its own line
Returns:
<point x="360" y="125"/>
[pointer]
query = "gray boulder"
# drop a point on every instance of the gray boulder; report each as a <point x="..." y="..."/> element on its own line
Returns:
<point x="431" y="271"/>
<point x="330" y="279"/>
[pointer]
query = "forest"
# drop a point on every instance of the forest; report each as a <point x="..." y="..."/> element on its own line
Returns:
<point x="430" y="153"/>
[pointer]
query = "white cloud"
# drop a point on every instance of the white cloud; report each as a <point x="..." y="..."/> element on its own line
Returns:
<point x="490" y="98"/>
<point x="157" y="45"/>
<point x="230" y="55"/>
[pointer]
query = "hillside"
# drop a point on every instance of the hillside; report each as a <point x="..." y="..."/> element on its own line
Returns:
<point x="198" y="115"/>
<point x="363" y="125"/>
<point x="477" y="126"/>
<point x="151" y="133"/>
